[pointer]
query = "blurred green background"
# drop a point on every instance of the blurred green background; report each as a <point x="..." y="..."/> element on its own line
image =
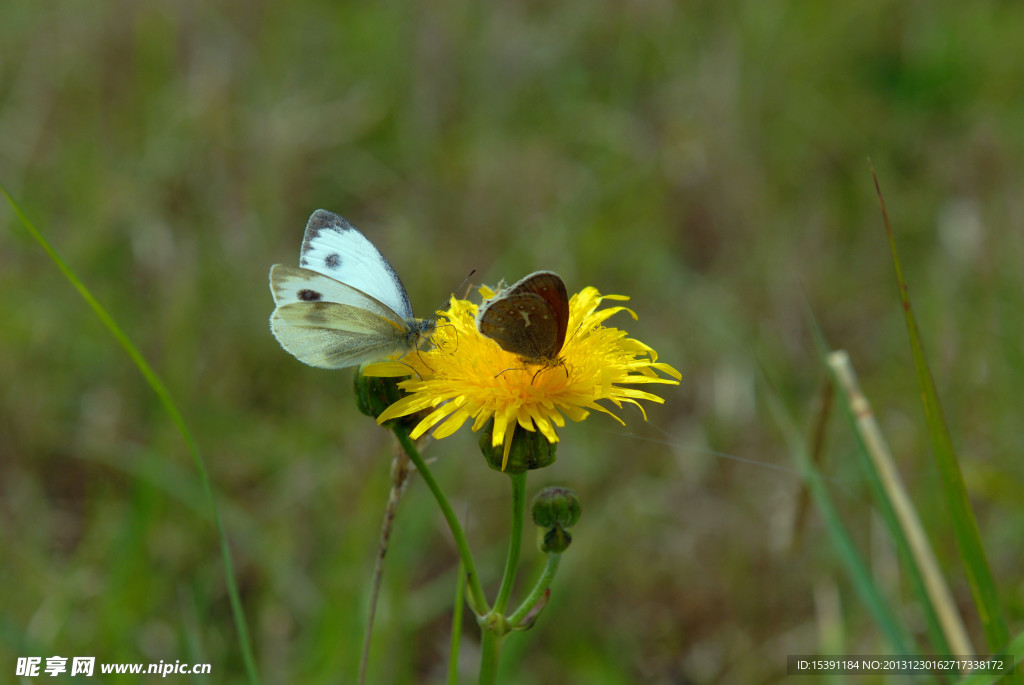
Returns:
<point x="707" y="159"/>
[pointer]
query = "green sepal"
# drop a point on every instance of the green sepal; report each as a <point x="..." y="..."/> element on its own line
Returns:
<point x="555" y="540"/>
<point x="529" y="450"/>
<point x="374" y="394"/>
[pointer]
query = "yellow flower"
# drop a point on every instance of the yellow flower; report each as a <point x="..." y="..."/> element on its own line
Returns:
<point x="468" y="376"/>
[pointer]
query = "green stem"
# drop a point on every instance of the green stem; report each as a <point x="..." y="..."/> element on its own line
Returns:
<point x="515" y="542"/>
<point x="490" y="646"/>
<point x="472" y="579"/>
<point x="493" y="626"/>
<point x="453" y="653"/>
<point x="543" y="583"/>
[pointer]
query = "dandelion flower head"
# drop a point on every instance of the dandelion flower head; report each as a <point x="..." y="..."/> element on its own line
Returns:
<point x="468" y="376"/>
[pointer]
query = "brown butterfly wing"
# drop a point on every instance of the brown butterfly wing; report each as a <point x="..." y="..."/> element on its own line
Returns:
<point x="529" y="318"/>
<point x="522" y="324"/>
<point x="551" y="288"/>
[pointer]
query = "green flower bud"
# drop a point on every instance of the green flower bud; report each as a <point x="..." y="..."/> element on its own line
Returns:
<point x="555" y="506"/>
<point x="555" y="540"/>
<point x="374" y="394"/>
<point x="530" y="450"/>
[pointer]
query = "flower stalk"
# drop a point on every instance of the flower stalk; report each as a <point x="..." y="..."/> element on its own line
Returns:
<point x="490" y="649"/>
<point x="515" y="541"/>
<point x="519" y="618"/>
<point x="472" y="578"/>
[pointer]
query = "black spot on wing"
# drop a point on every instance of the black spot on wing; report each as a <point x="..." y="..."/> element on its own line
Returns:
<point x="323" y="220"/>
<point x="307" y="295"/>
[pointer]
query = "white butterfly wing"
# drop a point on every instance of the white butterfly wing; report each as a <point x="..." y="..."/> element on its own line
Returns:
<point x="328" y="324"/>
<point x="335" y="248"/>
<point x="290" y="284"/>
<point x="333" y="336"/>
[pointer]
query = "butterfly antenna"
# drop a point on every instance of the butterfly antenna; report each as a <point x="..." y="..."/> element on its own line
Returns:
<point x="467" y="284"/>
<point x="400" y="473"/>
<point x="464" y="282"/>
<point x="578" y="328"/>
<point x="442" y="305"/>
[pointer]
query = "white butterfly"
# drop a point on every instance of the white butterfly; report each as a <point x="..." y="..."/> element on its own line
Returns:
<point x="346" y="305"/>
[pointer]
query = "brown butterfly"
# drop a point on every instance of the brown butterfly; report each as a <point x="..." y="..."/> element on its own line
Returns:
<point x="529" y="318"/>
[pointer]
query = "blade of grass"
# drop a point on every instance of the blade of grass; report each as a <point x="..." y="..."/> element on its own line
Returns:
<point x="883" y="482"/>
<point x="1014" y="650"/>
<point x="865" y="586"/>
<point x="920" y="559"/>
<point x="169" y="406"/>
<point x="822" y="412"/>
<point x="965" y="525"/>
